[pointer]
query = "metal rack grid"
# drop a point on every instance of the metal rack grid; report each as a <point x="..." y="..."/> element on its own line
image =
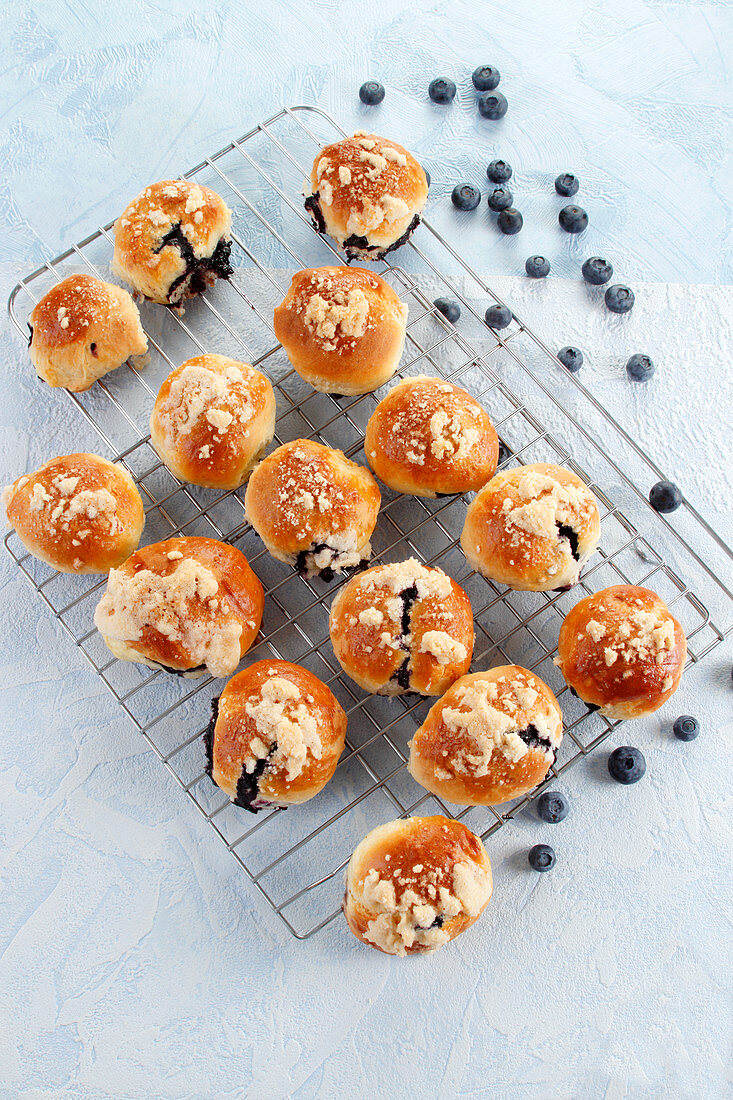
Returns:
<point x="295" y="859"/>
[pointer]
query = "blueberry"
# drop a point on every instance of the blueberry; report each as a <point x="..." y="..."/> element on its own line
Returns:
<point x="499" y="171"/>
<point x="572" y="358"/>
<point x="686" y="728"/>
<point x="552" y="807"/>
<point x="442" y="90"/>
<point x="492" y="105"/>
<point x="510" y="221"/>
<point x="619" y="299"/>
<point x="498" y="316"/>
<point x="537" y="267"/>
<point x="485" y="78"/>
<point x="371" y="93"/>
<point x="465" y="196"/>
<point x="505" y="453"/>
<point x="597" y="271"/>
<point x="541" y="857"/>
<point x="567" y="184"/>
<point x="449" y="308"/>
<point x="665" y="496"/>
<point x="573" y="219"/>
<point x="500" y="198"/>
<point x="640" y="368"/>
<point x="626" y="764"/>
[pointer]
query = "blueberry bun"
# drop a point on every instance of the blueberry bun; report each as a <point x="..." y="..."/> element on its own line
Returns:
<point x="172" y="241"/>
<point x="275" y="737"/>
<point x="402" y="627"/>
<point x="367" y="193"/>
<point x="414" y="884"/>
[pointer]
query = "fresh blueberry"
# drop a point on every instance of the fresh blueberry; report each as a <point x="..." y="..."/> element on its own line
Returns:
<point x="567" y="184"/>
<point x="492" y="105"/>
<point x="442" y="90"/>
<point x="498" y="316"/>
<point x="552" y="807"/>
<point x="449" y="308"/>
<point x="572" y="358"/>
<point x="573" y="219"/>
<point x="686" y="728"/>
<point x="371" y="93"/>
<point x="640" y="368"/>
<point x="619" y="299"/>
<point x="541" y="857"/>
<point x="510" y="221"/>
<point x="597" y="271"/>
<point x="499" y="171"/>
<point x="500" y="198"/>
<point x="537" y="267"/>
<point x="626" y="764"/>
<point x="665" y="496"/>
<point x="465" y="196"/>
<point x="505" y="453"/>
<point x="485" y="78"/>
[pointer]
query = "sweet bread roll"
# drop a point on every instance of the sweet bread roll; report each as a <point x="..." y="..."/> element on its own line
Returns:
<point x="172" y="241"/>
<point x="212" y="420"/>
<point x="532" y="528"/>
<point x="428" y="437"/>
<point x="402" y="627"/>
<point x="275" y="737"/>
<point x="367" y="193"/>
<point x="343" y="328"/>
<point x="78" y="513"/>
<point x="622" y="651"/>
<point x="188" y="606"/>
<point x="493" y="736"/>
<point x="414" y="884"/>
<point x="82" y="329"/>
<point x="313" y="508"/>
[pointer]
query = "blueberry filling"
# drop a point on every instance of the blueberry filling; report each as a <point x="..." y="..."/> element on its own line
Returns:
<point x="195" y="278"/>
<point x="181" y="671"/>
<point x="355" y="245"/>
<point x="566" y="532"/>
<point x="209" y="736"/>
<point x="248" y="784"/>
<point x="305" y="562"/>
<point x="30" y="338"/>
<point x="438" y="922"/>
<point x="313" y="207"/>
<point x="402" y="675"/>
<point x="93" y="349"/>
<point x="590" y="706"/>
<point x="533" y="739"/>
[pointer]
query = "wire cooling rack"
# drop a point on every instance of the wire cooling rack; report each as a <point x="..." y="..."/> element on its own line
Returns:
<point x="296" y="858"/>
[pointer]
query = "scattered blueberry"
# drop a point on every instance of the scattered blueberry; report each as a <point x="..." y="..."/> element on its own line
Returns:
<point x="465" y="196"/>
<point x="500" y="198"/>
<point x="573" y="219"/>
<point x="510" y="221"/>
<point x="665" y="496"/>
<point x="505" y="453"/>
<point x="485" y="78"/>
<point x="449" y="308"/>
<point x="597" y="271"/>
<point x="567" y="184"/>
<point x="541" y="857"/>
<point x="626" y="764"/>
<point x="492" y="105"/>
<point x="640" y="368"/>
<point x="552" y="807"/>
<point x="686" y="728"/>
<point x="371" y="93"/>
<point x="442" y="90"/>
<point x="619" y="299"/>
<point x="537" y="267"/>
<point x="498" y="316"/>
<point x="499" y="171"/>
<point x="572" y="358"/>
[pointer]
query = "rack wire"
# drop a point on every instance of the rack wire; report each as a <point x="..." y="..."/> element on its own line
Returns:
<point x="296" y="859"/>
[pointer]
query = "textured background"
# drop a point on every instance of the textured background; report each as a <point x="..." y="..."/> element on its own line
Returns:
<point x="135" y="960"/>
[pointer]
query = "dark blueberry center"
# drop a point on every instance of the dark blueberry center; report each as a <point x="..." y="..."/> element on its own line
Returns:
<point x="248" y="784"/>
<point x="353" y="243"/>
<point x="209" y="735"/>
<point x="408" y="597"/>
<point x="196" y="270"/>
<point x="533" y="739"/>
<point x="93" y="349"/>
<point x="313" y="207"/>
<point x="566" y="532"/>
<point x="30" y="338"/>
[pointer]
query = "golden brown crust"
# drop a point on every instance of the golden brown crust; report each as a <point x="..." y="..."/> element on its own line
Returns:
<point x="366" y="627"/>
<point x="517" y="529"/>
<point x="246" y="731"/>
<point x="491" y="738"/>
<point x="82" y="329"/>
<point x="212" y="419"/>
<point x="342" y="328"/>
<point x="79" y="513"/>
<point x="312" y="507"/>
<point x="414" y="884"/>
<point x="622" y="650"/>
<point x="428" y="436"/>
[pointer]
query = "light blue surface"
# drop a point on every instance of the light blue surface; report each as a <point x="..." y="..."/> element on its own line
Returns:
<point x="136" y="962"/>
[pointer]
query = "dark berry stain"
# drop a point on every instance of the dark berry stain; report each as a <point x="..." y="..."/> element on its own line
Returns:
<point x="408" y="597"/>
<point x="534" y="740"/>
<point x="93" y="349"/>
<point x="248" y="784"/>
<point x="304" y="560"/>
<point x="196" y="270"/>
<point x="209" y="736"/>
<point x="30" y="338"/>
<point x="354" y="245"/>
<point x="313" y="207"/>
<point x="566" y="532"/>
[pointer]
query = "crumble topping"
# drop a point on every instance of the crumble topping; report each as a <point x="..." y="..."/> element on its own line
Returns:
<point x="549" y="503"/>
<point x="282" y="718"/>
<point x="344" y="313"/>
<point x="200" y="392"/>
<point x="63" y="504"/>
<point x="440" y="645"/>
